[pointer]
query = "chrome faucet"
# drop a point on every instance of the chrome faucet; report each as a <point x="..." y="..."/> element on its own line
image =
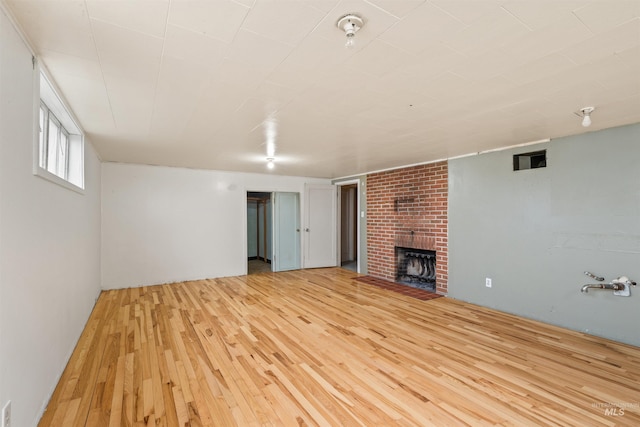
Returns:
<point x="620" y="284"/>
<point x="612" y="286"/>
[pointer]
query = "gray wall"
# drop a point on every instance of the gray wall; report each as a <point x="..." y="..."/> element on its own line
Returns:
<point x="535" y="232"/>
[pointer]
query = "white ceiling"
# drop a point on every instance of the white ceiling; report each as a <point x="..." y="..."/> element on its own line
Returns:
<point x="205" y="84"/>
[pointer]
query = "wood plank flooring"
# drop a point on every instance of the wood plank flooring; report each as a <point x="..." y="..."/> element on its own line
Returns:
<point x="314" y="347"/>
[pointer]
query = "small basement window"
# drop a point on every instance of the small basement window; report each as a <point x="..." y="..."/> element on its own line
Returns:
<point x="533" y="160"/>
<point x="59" y="156"/>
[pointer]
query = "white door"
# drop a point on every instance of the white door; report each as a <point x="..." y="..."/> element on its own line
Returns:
<point x="286" y="231"/>
<point x="320" y="226"/>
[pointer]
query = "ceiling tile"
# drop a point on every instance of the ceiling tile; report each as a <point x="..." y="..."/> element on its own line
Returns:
<point x="131" y="104"/>
<point x="286" y="22"/>
<point x="543" y="13"/>
<point x="149" y="17"/>
<point x="487" y="33"/>
<point x="314" y="57"/>
<point x="489" y="94"/>
<point x="89" y="101"/>
<point x="378" y="58"/>
<point x="178" y="91"/>
<point x="467" y="11"/>
<point x="239" y="76"/>
<point x="560" y="34"/>
<point x="126" y="53"/>
<point x="220" y="19"/>
<point x="522" y="107"/>
<point x="193" y="48"/>
<point x="398" y="8"/>
<point x="486" y="65"/>
<point x="445" y="86"/>
<point x="631" y="56"/>
<point x="426" y="22"/>
<point x="257" y="51"/>
<point x="252" y="115"/>
<point x="602" y="16"/>
<point x="274" y="96"/>
<point x="552" y="84"/>
<point x="57" y="26"/>
<point x="607" y="44"/>
<point x="322" y="5"/>
<point x="57" y="62"/>
<point x="246" y="3"/>
<point x="401" y="90"/>
<point x="434" y="59"/>
<point x="215" y="107"/>
<point x="613" y="74"/>
<point x="538" y="68"/>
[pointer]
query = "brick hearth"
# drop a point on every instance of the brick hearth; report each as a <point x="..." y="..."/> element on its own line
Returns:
<point x="407" y="207"/>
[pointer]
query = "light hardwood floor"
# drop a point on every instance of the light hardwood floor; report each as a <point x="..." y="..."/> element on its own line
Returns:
<point x="314" y="347"/>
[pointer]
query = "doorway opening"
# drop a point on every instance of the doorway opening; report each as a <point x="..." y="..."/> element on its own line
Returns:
<point x="349" y="226"/>
<point x="273" y="231"/>
<point x="259" y="232"/>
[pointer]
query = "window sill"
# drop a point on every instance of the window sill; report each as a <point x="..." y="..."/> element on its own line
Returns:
<point x="45" y="174"/>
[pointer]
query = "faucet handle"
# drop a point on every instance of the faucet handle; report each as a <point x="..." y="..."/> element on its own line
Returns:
<point x="625" y="280"/>
<point x="594" y="277"/>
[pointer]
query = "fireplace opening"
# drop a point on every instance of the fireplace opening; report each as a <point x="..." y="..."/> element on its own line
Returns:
<point x="416" y="268"/>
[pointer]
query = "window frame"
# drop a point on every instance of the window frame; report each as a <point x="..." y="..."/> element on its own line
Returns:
<point x="62" y="141"/>
<point x="46" y="98"/>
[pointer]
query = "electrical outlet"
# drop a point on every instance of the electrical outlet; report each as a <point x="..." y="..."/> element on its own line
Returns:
<point x="487" y="282"/>
<point x="6" y="415"/>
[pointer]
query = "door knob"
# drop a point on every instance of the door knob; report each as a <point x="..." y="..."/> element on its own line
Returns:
<point x="306" y="229"/>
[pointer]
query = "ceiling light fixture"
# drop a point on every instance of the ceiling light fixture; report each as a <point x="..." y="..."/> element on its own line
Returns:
<point x="270" y="164"/>
<point x="585" y="113"/>
<point x="350" y="24"/>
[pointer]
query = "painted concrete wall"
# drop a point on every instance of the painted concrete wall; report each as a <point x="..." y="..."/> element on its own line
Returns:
<point x="163" y="224"/>
<point x="49" y="248"/>
<point x="535" y="232"/>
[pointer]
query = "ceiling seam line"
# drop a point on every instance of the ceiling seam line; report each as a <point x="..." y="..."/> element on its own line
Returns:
<point x="104" y="80"/>
<point x="155" y="89"/>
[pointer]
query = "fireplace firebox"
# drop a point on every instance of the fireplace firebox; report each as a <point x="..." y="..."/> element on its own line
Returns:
<point x="416" y="268"/>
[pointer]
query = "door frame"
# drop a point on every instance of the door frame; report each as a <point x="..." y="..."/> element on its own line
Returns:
<point x="339" y="220"/>
<point x="245" y="246"/>
<point x="271" y="191"/>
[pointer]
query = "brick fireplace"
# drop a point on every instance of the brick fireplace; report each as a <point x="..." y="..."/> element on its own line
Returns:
<point x="407" y="208"/>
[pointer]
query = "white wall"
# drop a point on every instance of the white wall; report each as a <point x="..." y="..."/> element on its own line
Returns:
<point x="49" y="248"/>
<point x="163" y="224"/>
